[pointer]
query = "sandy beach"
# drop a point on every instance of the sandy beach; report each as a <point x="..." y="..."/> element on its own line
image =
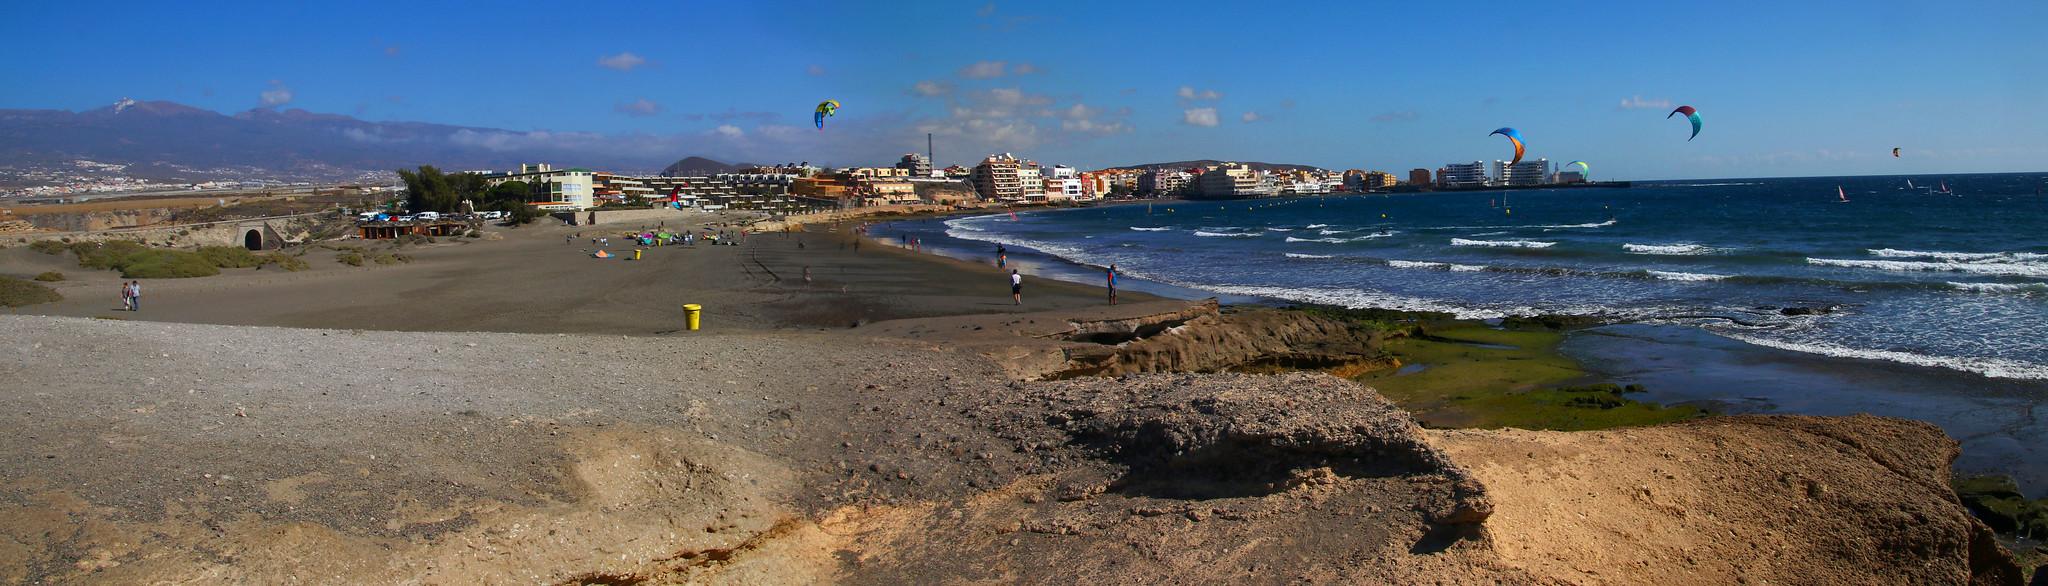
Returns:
<point x="510" y="410"/>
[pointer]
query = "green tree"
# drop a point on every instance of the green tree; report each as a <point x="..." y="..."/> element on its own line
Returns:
<point x="428" y="190"/>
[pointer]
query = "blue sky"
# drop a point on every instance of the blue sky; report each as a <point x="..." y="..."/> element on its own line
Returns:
<point x="1785" y="88"/>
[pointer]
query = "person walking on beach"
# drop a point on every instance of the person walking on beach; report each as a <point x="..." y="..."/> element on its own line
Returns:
<point x="1002" y="260"/>
<point x="1016" y="287"/>
<point x="1112" y="284"/>
<point x="127" y="298"/>
<point x="135" y="296"/>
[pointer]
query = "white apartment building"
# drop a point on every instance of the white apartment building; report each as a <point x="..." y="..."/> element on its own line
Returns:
<point x="1524" y="173"/>
<point x="550" y="189"/>
<point x="1032" y="179"/>
<point x="1471" y="174"/>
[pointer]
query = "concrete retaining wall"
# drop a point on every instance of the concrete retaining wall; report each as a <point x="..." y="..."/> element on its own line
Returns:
<point x="635" y="217"/>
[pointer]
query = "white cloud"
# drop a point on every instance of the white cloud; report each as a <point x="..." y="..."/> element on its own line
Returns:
<point x="1001" y="103"/>
<point x="816" y="70"/>
<point x="1637" y="103"/>
<point x="1187" y="94"/>
<point x="1093" y="128"/>
<point x="1027" y="69"/>
<point x="929" y="88"/>
<point x="1079" y="111"/>
<point x="983" y="70"/>
<point x="1252" y="116"/>
<point x="729" y="131"/>
<point x="1395" y="116"/>
<point x="640" y="108"/>
<point x="624" y="61"/>
<point x="278" y="95"/>
<point x="1198" y="117"/>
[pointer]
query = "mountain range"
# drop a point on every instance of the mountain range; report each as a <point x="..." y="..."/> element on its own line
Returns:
<point x="166" y="140"/>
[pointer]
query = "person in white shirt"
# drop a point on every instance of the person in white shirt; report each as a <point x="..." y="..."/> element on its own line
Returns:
<point x="1017" y="286"/>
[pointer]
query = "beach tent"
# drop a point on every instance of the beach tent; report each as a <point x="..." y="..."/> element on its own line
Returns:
<point x="601" y="254"/>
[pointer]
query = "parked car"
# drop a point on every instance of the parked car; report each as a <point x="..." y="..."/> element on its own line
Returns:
<point x="427" y="216"/>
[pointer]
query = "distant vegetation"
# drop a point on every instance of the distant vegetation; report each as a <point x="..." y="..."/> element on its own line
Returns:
<point x="50" y="276"/>
<point x="430" y="190"/>
<point x="22" y="292"/>
<point x="136" y="261"/>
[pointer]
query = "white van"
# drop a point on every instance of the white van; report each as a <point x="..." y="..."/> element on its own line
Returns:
<point x="428" y="216"/>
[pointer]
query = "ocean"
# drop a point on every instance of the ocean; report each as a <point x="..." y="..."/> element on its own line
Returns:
<point x="1938" y="292"/>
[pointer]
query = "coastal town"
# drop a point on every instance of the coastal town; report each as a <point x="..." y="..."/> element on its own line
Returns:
<point x="664" y="293"/>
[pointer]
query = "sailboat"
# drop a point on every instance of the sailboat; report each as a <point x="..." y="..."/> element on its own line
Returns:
<point x="1944" y="188"/>
<point x="1843" y="195"/>
<point x="1909" y="184"/>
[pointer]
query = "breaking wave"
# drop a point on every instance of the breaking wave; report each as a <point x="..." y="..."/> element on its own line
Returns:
<point x="1502" y="243"/>
<point x="1670" y="249"/>
<point x="1984" y="267"/>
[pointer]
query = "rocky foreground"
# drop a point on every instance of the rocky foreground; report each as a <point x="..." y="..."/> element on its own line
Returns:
<point x="148" y="452"/>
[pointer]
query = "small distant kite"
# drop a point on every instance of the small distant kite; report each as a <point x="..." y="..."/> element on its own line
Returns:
<point x="826" y="108"/>
<point x="1514" y="137"/>
<point x="1895" y="152"/>
<point x="1690" y="114"/>
<point x="1585" y="172"/>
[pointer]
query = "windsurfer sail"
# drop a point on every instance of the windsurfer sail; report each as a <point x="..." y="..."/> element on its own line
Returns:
<point x="1840" y="193"/>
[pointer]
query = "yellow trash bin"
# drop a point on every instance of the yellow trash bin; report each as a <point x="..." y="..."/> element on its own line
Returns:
<point x="692" y="311"/>
<point x="636" y="254"/>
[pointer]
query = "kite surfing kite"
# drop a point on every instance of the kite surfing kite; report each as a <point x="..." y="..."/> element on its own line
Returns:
<point x="1514" y="137"/>
<point x="826" y="108"/>
<point x="1584" y="171"/>
<point x="1895" y="152"/>
<point x="1690" y="114"/>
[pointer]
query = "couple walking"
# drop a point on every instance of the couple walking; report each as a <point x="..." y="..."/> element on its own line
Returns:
<point x="131" y="296"/>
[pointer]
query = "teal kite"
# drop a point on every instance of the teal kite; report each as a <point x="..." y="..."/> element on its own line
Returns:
<point x="1690" y="114"/>
<point x="1584" y="170"/>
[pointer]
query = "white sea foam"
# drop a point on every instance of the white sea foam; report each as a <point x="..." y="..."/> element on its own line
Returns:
<point x="1591" y="225"/>
<point x="1279" y="229"/>
<point x="1300" y="255"/>
<point x="1502" y="243"/>
<point x="1317" y="226"/>
<point x="1409" y="264"/>
<point x="1329" y="232"/>
<point x="1145" y="229"/>
<point x="2012" y="269"/>
<point x="1323" y="240"/>
<point x="1671" y="276"/>
<point x="1207" y="234"/>
<point x="2028" y="288"/>
<point x="1987" y="366"/>
<point x="1457" y="268"/>
<point x="1961" y="256"/>
<point x="1670" y="249"/>
<point x="1354" y="298"/>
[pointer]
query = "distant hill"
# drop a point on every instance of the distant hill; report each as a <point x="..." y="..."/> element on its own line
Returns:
<point x="695" y="166"/>
<point x="1212" y="162"/>
<point x="165" y="140"/>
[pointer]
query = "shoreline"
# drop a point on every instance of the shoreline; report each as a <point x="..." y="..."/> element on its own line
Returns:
<point x="515" y="410"/>
<point x="1993" y="444"/>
